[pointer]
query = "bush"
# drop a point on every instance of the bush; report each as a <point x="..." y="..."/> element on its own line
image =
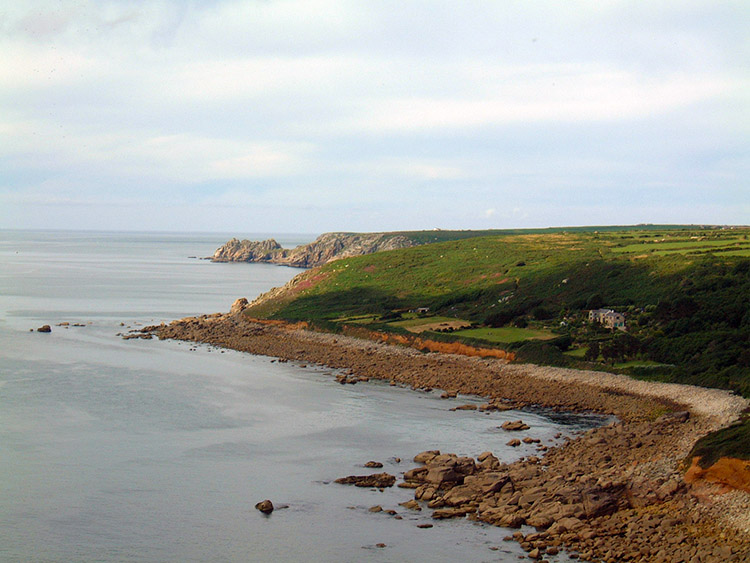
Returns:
<point x="390" y="316"/>
<point x="542" y="353"/>
<point x="541" y="313"/>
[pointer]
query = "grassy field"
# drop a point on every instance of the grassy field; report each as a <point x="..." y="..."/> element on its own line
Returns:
<point x="506" y="334"/>
<point x="576" y="352"/>
<point x="641" y="364"/>
<point x="688" y="304"/>
<point x="468" y="278"/>
<point x="725" y="241"/>
<point x="416" y="322"/>
<point x="684" y="291"/>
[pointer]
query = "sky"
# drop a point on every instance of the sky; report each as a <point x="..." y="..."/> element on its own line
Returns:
<point x="321" y="115"/>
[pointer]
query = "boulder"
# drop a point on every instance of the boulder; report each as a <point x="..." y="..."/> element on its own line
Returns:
<point x="468" y="407"/>
<point x="460" y="495"/>
<point x="456" y="512"/>
<point x="425" y="492"/>
<point x="44" y="328"/>
<point x="416" y="474"/>
<point x="515" y="425"/>
<point x="238" y="306"/>
<point x="511" y="521"/>
<point x="265" y="506"/>
<point x="378" y="480"/>
<point x="411" y="505"/>
<point x="598" y="503"/>
<point x="424" y="457"/>
<point x="497" y="485"/>
<point x="444" y="475"/>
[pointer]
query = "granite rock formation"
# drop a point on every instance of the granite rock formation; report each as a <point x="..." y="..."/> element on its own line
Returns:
<point x="327" y="247"/>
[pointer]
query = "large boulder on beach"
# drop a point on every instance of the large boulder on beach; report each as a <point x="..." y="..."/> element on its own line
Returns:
<point x="598" y="503"/>
<point x="44" y="328"/>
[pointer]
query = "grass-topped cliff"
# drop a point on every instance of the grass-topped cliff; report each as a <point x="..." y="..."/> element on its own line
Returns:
<point x="684" y="292"/>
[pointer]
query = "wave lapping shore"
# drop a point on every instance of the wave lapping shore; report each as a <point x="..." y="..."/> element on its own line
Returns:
<point x="614" y="494"/>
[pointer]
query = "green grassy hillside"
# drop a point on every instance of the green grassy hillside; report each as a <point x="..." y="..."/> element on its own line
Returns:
<point x="685" y="293"/>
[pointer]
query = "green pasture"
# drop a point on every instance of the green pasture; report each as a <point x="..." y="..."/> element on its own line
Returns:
<point x="505" y="335"/>
<point x="577" y="353"/>
<point x="717" y="241"/>
<point x="421" y="321"/>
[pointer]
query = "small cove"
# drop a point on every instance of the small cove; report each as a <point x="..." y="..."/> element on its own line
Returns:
<point x="147" y="451"/>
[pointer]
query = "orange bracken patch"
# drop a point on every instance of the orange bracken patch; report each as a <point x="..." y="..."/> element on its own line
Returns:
<point x="728" y="471"/>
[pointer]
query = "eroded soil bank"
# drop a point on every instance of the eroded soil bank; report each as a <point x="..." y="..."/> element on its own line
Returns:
<point x="614" y="494"/>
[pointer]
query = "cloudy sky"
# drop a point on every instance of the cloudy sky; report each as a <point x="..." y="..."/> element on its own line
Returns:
<point x="315" y="115"/>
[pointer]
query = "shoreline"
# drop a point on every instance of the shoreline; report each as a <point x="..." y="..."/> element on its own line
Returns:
<point x="631" y="468"/>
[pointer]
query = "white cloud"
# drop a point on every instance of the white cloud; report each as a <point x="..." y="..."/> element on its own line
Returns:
<point x="549" y="94"/>
<point x="336" y="103"/>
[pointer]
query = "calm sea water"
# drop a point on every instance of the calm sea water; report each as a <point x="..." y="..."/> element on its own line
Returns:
<point x="114" y="450"/>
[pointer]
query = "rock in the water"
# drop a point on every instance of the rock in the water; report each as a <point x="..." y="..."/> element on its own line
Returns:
<point x="265" y="506"/>
<point x="378" y="480"/>
<point x="45" y="328"/>
<point x="374" y="464"/>
<point x="515" y="425"/>
<point x="468" y="407"/>
<point x="411" y="505"/>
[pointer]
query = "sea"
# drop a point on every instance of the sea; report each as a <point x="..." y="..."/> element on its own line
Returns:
<point x="147" y="450"/>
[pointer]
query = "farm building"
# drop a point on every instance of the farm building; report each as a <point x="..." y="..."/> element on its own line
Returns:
<point x="608" y="318"/>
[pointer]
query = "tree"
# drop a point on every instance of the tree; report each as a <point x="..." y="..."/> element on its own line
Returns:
<point x="592" y="354"/>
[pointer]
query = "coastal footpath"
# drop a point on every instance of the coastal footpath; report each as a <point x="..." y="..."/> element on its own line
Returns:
<point x="616" y="493"/>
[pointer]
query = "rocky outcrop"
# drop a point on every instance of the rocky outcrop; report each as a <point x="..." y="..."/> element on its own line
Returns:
<point x="247" y="251"/>
<point x="327" y="247"/>
<point x="378" y="480"/>
<point x="238" y="306"/>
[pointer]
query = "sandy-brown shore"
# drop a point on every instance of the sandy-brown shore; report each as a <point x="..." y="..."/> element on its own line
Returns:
<point x="616" y="493"/>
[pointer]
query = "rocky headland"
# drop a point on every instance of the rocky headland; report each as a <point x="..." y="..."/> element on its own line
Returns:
<point x="616" y="493"/>
<point x="327" y="247"/>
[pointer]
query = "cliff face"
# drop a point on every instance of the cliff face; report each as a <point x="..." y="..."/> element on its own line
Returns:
<point x="247" y="251"/>
<point x="327" y="247"/>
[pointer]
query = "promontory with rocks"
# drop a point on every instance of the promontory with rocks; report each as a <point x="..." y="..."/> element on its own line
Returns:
<point x="327" y="247"/>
